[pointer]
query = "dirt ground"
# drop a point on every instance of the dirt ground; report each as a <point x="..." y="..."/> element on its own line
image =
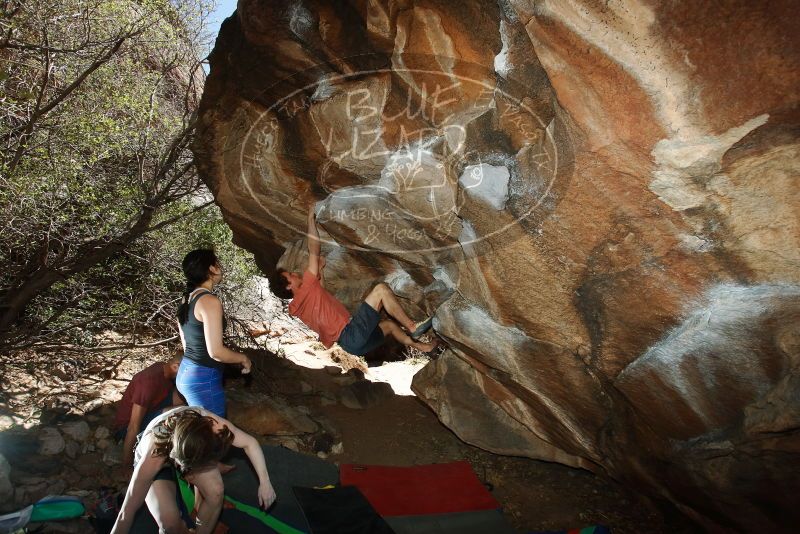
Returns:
<point x="535" y="495"/>
<point x="386" y="429"/>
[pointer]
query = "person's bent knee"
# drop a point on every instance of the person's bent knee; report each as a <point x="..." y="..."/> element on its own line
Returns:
<point x="171" y="525"/>
<point x="383" y="288"/>
<point x="387" y="327"/>
<point x="214" y="493"/>
<point x="176" y="527"/>
<point x="377" y="292"/>
<point x="215" y="500"/>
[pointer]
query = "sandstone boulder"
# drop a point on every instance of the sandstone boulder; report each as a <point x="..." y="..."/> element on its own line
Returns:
<point x="77" y="430"/>
<point x="51" y="442"/>
<point x="260" y="415"/>
<point x="598" y="202"/>
<point x="102" y="432"/>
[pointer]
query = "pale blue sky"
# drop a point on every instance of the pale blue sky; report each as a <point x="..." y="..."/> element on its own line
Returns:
<point x="223" y="10"/>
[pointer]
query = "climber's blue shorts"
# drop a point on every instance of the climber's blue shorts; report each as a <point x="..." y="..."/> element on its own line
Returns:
<point x="362" y="334"/>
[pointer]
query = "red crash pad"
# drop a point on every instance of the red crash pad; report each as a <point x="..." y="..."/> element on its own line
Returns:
<point x="419" y="490"/>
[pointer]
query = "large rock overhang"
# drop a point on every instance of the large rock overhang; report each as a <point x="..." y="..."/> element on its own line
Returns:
<point x="599" y="203"/>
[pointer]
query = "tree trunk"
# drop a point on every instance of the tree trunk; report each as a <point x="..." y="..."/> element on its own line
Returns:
<point x="43" y="278"/>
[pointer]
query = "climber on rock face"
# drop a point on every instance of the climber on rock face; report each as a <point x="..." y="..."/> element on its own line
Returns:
<point x="324" y="314"/>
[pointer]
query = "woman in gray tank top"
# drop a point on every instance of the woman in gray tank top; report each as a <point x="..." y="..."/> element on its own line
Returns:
<point x="200" y="321"/>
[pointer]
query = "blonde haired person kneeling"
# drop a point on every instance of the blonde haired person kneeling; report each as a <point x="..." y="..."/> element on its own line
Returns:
<point x="191" y="441"/>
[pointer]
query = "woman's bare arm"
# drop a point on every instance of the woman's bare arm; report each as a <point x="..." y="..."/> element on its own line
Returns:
<point x="210" y="310"/>
<point x="180" y="333"/>
<point x="243" y="440"/>
<point x="142" y="478"/>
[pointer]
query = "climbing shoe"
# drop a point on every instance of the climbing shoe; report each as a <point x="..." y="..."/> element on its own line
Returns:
<point x="421" y="327"/>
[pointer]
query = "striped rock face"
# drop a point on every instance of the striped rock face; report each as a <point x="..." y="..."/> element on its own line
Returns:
<point x="597" y="200"/>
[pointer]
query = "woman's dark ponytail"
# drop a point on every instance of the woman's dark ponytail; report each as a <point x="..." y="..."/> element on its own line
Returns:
<point x="183" y="309"/>
<point x="195" y="268"/>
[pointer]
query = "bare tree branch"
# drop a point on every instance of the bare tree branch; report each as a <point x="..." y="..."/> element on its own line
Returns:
<point x="173" y="220"/>
<point x="77" y="348"/>
<point x="84" y="212"/>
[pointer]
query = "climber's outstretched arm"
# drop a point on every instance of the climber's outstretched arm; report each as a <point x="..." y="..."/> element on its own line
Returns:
<point x="314" y="245"/>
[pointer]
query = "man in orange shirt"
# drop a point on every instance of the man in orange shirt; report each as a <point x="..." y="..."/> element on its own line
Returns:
<point x="324" y="314"/>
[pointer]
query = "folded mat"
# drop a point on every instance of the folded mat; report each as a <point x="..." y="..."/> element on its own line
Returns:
<point x="339" y="510"/>
<point x="345" y="510"/>
<point x="419" y="490"/>
<point x="286" y="469"/>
